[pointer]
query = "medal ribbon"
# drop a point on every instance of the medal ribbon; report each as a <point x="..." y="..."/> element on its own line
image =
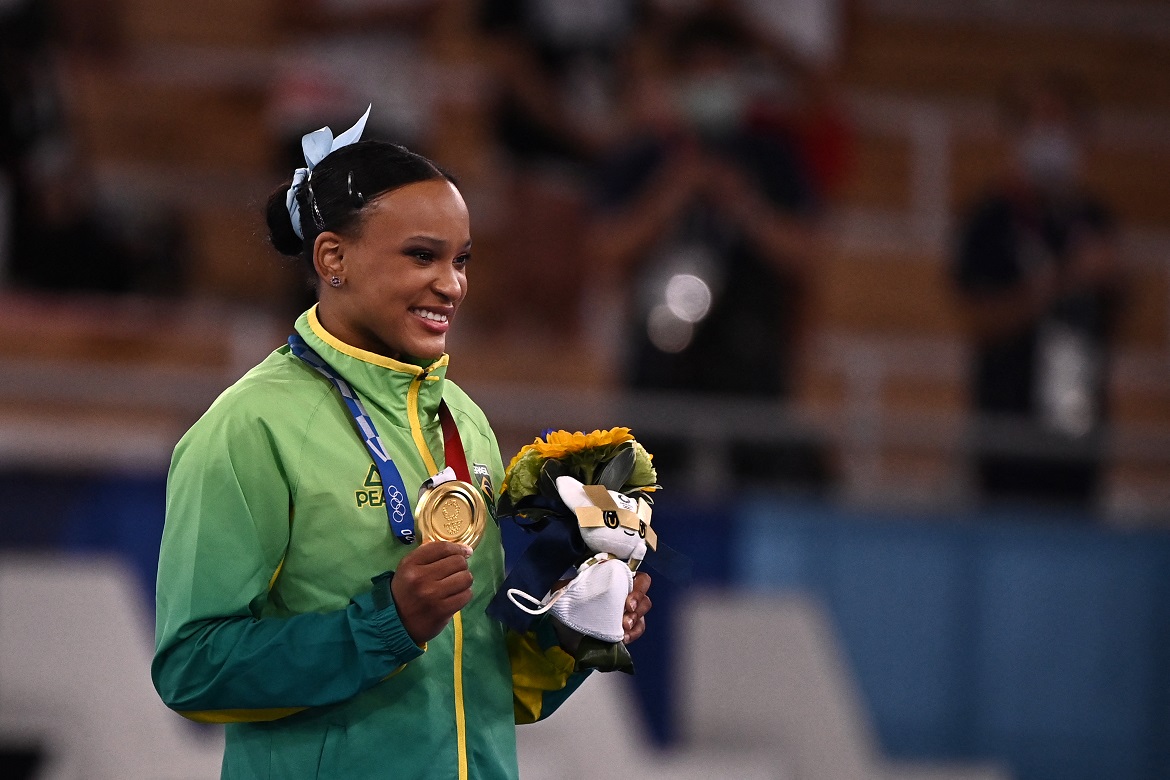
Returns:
<point x="452" y="445"/>
<point x="393" y="488"/>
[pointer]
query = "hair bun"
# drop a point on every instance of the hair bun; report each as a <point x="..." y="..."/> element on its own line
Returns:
<point x="280" y="228"/>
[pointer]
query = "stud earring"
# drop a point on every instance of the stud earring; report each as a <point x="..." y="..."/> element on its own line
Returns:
<point x="335" y="281"/>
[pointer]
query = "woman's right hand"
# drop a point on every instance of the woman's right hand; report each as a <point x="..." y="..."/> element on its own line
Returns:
<point x="430" y="585"/>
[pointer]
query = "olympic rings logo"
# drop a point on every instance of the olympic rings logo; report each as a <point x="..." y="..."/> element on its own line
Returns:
<point x="397" y="505"/>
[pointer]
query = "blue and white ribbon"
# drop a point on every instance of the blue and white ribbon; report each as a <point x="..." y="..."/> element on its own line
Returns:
<point x="393" y="488"/>
<point x="317" y="145"/>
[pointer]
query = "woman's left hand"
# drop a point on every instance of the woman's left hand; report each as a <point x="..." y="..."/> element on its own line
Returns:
<point x="637" y="605"/>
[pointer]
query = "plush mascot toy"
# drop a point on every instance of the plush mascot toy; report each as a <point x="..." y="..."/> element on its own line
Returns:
<point x="590" y="510"/>
<point x="616" y="530"/>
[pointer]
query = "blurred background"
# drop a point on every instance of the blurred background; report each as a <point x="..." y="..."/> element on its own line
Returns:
<point x="883" y="284"/>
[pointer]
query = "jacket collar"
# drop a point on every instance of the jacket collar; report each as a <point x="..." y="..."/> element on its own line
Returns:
<point x="379" y="380"/>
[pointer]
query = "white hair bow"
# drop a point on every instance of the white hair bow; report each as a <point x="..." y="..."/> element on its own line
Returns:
<point x="317" y="145"/>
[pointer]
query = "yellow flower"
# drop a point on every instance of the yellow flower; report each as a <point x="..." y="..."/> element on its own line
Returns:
<point x="562" y="443"/>
<point x="558" y="444"/>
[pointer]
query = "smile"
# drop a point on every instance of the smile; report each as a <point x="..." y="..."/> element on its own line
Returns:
<point x="429" y="315"/>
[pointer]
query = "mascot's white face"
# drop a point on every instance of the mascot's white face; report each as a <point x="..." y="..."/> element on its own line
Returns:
<point x="621" y="542"/>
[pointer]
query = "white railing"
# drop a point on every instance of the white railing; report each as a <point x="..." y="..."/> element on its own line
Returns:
<point x="149" y="408"/>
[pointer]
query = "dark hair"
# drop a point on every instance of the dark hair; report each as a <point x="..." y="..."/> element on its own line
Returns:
<point x="340" y="186"/>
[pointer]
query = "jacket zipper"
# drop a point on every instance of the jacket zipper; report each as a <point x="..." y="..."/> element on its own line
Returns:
<point x="457" y="622"/>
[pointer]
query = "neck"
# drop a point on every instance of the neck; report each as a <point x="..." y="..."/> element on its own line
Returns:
<point x="344" y="346"/>
<point x="355" y="336"/>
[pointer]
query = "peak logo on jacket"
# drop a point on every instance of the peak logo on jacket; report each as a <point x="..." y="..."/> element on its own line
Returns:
<point x="373" y="495"/>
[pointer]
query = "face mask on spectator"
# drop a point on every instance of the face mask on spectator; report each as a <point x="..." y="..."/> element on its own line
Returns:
<point x="1050" y="155"/>
<point x="713" y="103"/>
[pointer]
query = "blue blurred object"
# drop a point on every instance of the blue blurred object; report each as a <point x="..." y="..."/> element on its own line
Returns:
<point x="1044" y="646"/>
<point x="36" y="506"/>
<point x="120" y="515"/>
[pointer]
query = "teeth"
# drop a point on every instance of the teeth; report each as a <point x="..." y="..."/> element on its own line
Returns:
<point x="430" y="315"/>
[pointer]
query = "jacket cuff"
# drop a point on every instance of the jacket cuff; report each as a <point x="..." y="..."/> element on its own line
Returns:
<point x="387" y="623"/>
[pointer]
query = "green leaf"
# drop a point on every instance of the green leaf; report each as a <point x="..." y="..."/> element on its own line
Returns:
<point x="617" y="471"/>
<point x="524" y="474"/>
<point x="643" y="472"/>
<point x="548" y="477"/>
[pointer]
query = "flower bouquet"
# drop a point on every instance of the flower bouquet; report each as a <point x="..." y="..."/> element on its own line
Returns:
<point x="587" y="499"/>
<point x="612" y="458"/>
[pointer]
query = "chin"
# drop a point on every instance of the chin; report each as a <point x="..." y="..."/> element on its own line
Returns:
<point x="429" y="352"/>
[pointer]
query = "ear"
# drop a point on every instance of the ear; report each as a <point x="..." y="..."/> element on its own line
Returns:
<point x="329" y="255"/>
<point x="572" y="493"/>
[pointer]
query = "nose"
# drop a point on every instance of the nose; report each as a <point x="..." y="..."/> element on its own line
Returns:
<point x="449" y="282"/>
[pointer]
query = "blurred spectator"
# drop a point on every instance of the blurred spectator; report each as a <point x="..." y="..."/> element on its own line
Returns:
<point x="711" y="223"/>
<point x="800" y="41"/>
<point x="557" y="69"/>
<point x="558" y="65"/>
<point x="61" y="233"/>
<point x="345" y="54"/>
<point x="62" y="244"/>
<point x="68" y="238"/>
<point x="29" y="105"/>
<point x="1038" y="274"/>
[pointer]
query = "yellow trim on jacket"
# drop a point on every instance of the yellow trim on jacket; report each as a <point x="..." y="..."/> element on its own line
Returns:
<point x="366" y="356"/>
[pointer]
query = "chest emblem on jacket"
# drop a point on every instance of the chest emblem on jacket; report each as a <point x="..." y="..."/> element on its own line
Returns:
<point x="373" y="494"/>
<point x="483" y="480"/>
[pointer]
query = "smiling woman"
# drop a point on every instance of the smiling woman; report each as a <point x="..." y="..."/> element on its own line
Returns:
<point x="402" y="278"/>
<point x="296" y="602"/>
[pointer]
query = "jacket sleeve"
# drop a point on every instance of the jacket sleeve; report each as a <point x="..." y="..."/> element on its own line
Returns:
<point x="227" y="526"/>
<point x="542" y="673"/>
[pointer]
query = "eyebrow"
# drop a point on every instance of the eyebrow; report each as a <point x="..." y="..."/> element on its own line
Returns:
<point x="436" y="240"/>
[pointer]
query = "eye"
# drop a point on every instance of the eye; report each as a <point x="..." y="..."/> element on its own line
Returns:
<point x="422" y="255"/>
<point x="463" y="259"/>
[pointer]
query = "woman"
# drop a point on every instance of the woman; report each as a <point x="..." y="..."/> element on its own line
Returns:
<point x="294" y="602"/>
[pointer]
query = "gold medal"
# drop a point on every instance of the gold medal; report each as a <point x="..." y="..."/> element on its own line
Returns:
<point x="452" y="512"/>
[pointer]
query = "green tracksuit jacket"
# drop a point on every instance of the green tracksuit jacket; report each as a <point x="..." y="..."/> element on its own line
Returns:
<point x="274" y="608"/>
